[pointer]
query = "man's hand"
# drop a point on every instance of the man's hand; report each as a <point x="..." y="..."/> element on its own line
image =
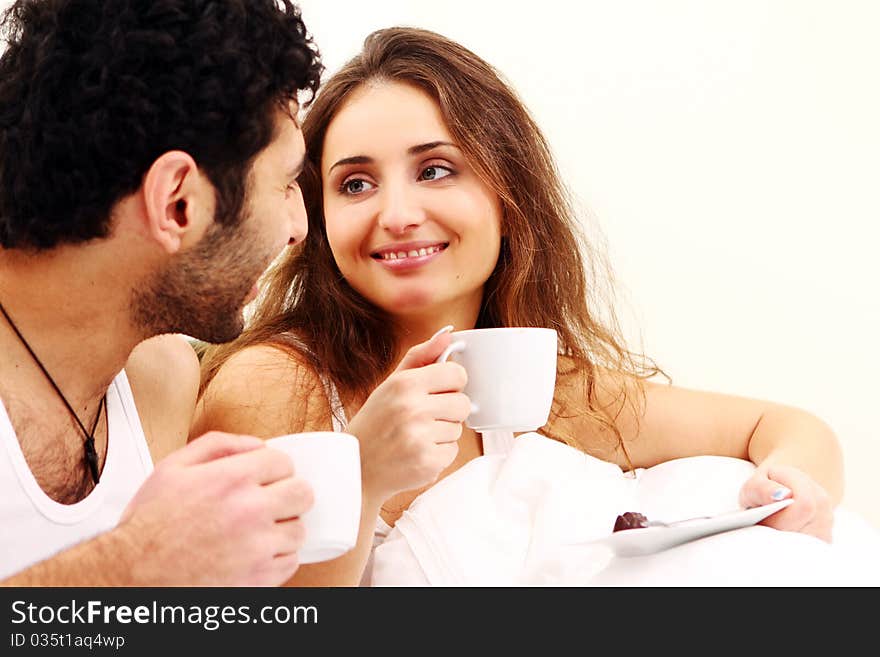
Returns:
<point x="221" y="511"/>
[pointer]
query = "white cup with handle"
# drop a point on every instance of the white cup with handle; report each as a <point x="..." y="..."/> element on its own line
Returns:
<point x="511" y="375"/>
<point x="330" y="462"/>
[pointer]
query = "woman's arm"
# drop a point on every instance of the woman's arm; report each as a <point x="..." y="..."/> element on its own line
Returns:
<point x="797" y="454"/>
<point x="407" y="428"/>
<point x="678" y="422"/>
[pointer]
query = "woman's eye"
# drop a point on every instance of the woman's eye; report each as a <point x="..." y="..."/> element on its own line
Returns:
<point x="356" y="186"/>
<point x="435" y="172"/>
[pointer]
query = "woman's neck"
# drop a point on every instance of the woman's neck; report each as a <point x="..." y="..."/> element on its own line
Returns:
<point x="415" y="329"/>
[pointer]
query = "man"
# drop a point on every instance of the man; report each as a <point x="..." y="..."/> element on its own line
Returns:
<point x="148" y="162"/>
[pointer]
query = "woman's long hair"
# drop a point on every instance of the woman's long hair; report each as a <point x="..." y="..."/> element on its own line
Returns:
<point x="547" y="274"/>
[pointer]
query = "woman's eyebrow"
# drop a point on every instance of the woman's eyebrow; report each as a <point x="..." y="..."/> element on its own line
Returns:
<point x="357" y="159"/>
<point x="413" y="150"/>
<point x="421" y="148"/>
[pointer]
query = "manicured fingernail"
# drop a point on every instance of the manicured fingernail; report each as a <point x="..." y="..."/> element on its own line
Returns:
<point x="445" y="329"/>
<point x="781" y="493"/>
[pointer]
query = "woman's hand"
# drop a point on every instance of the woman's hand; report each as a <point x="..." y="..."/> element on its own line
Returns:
<point x="410" y="425"/>
<point x="810" y="513"/>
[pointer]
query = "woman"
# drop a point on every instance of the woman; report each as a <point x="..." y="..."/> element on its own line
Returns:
<point x="433" y="200"/>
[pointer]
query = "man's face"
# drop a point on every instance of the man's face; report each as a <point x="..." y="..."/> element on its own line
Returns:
<point x="205" y="289"/>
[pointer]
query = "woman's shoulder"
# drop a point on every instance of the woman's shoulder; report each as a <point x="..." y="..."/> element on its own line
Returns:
<point x="162" y="355"/>
<point x="265" y="359"/>
<point x="605" y="384"/>
<point x="265" y="390"/>
<point x="163" y="373"/>
<point x="594" y="407"/>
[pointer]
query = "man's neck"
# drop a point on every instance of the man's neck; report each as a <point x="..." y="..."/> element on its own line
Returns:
<point x="71" y="307"/>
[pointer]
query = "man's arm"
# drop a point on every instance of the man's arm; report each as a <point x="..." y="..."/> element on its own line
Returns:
<point x="106" y="560"/>
<point x="221" y="511"/>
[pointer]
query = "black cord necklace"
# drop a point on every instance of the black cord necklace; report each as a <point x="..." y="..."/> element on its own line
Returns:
<point x="91" y="455"/>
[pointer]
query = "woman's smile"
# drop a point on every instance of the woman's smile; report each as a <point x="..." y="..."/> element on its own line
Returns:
<point x="406" y="256"/>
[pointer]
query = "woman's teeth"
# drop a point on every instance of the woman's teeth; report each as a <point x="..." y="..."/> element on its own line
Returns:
<point x="415" y="253"/>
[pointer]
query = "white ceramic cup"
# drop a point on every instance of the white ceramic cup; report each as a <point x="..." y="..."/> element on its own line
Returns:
<point x="331" y="462"/>
<point x="511" y="376"/>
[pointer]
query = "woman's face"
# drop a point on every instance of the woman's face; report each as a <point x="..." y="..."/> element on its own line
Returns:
<point x="411" y="226"/>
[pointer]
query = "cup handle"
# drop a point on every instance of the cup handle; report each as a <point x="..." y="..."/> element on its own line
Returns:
<point x="453" y="348"/>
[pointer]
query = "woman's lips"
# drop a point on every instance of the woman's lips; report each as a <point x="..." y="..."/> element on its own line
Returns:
<point x="408" y="256"/>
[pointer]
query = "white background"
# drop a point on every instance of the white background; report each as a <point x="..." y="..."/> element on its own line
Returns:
<point x="729" y="151"/>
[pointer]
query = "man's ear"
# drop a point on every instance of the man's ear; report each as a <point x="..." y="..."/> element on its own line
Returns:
<point x="178" y="199"/>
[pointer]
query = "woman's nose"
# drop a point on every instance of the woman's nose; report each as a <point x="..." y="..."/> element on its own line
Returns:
<point x="400" y="210"/>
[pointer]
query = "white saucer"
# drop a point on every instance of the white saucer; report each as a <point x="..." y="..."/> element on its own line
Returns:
<point x="647" y="540"/>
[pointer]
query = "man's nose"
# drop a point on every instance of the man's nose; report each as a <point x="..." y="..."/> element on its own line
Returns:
<point x="299" y="221"/>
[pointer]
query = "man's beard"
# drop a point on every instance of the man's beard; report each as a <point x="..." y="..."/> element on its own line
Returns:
<point x="202" y="293"/>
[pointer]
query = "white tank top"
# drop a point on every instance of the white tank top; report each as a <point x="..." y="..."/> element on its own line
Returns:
<point x="34" y="525"/>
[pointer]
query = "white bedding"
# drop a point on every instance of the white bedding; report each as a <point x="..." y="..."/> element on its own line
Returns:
<point x="521" y="520"/>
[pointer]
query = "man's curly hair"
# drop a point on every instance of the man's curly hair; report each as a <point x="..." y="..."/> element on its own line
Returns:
<point x="92" y="92"/>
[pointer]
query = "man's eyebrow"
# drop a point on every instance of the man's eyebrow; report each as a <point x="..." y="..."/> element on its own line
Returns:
<point x="413" y="150"/>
